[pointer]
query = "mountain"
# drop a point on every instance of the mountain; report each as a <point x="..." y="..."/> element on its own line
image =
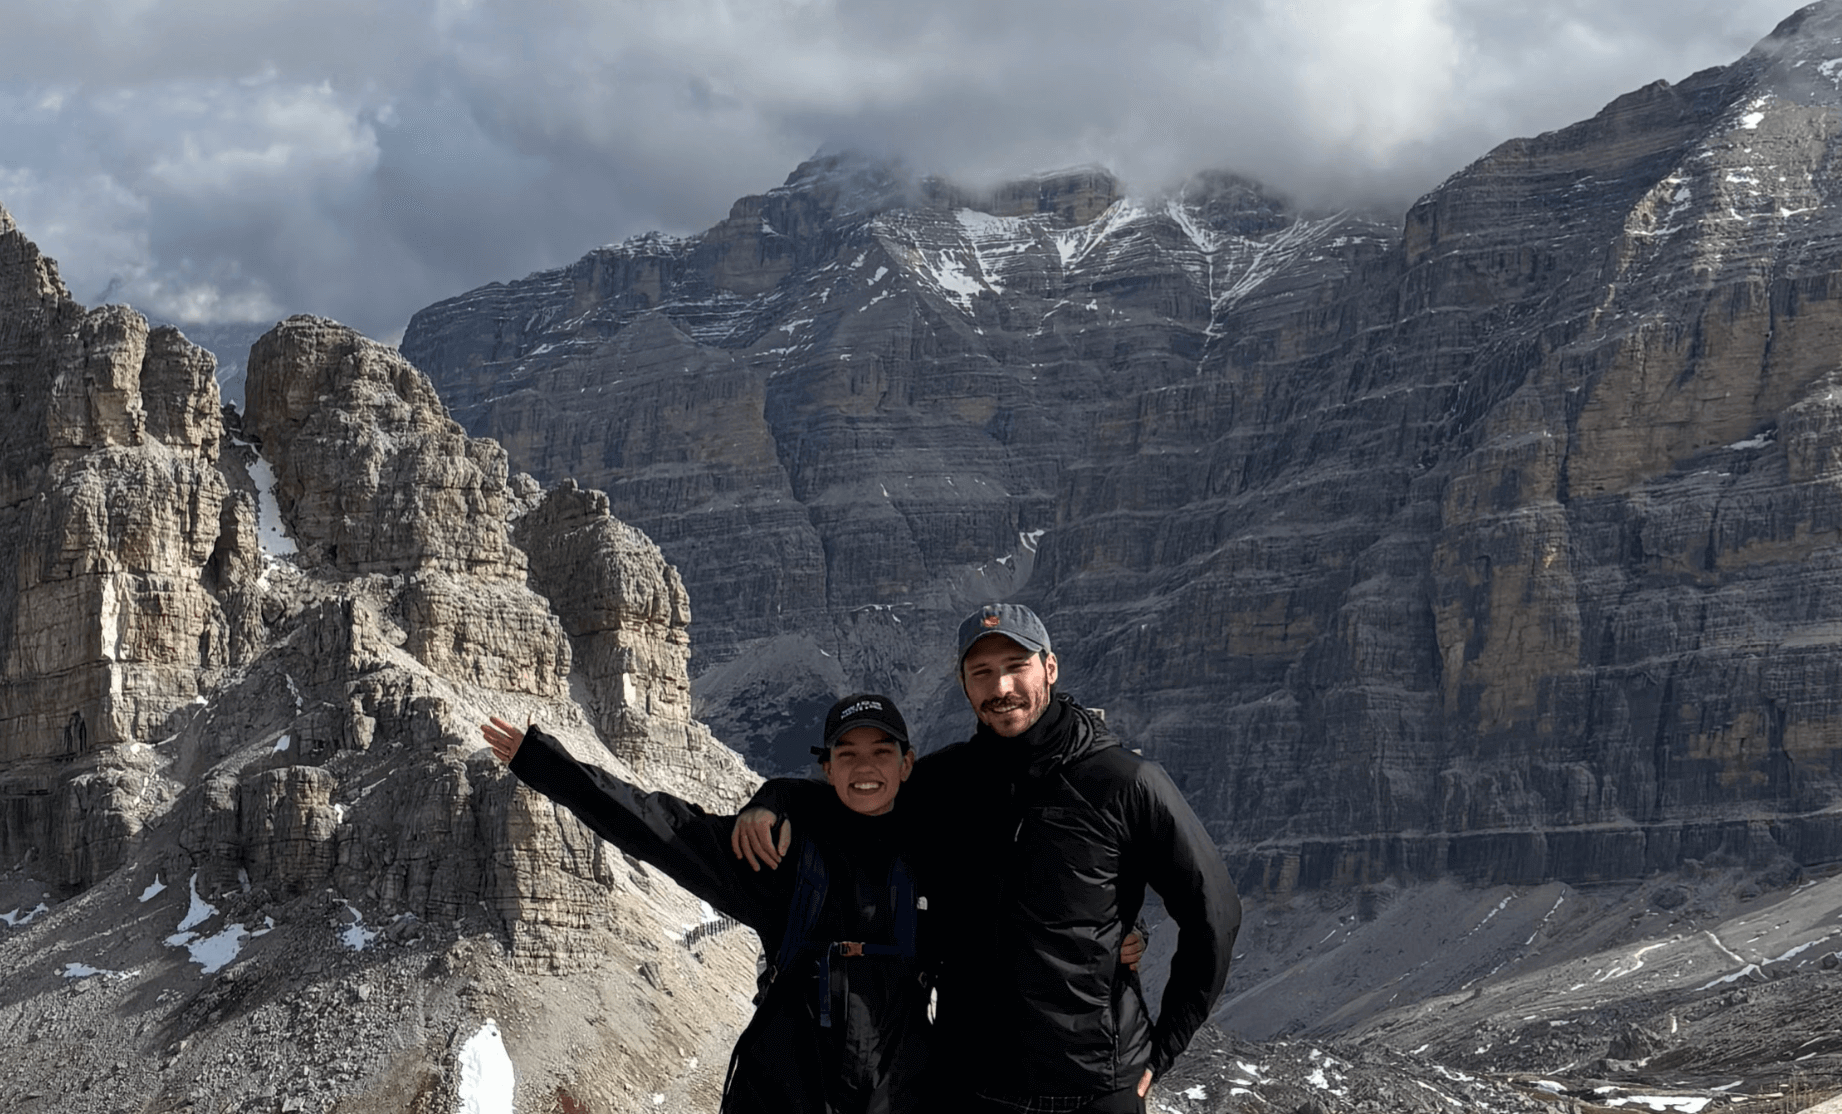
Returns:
<point x="255" y="855"/>
<point x="1498" y="544"/>
<point x="848" y="412"/>
<point x="1474" y="575"/>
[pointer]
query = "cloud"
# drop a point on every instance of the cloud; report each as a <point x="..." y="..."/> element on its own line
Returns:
<point x="216" y="160"/>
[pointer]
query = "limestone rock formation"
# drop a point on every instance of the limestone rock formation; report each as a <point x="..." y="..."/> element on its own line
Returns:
<point x="240" y="768"/>
<point x="627" y="615"/>
<point x="120" y="598"/>
<point x="1500" y="542"/>
<point x="848" y="446"/>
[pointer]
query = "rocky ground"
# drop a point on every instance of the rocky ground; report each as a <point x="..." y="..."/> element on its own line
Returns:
<point x="1682" y="994"/>
<point x="321" y="1007"/>
<point x="1704" y="989"/>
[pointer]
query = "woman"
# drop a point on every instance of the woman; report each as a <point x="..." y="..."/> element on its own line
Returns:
<point x="840" y="1024"/>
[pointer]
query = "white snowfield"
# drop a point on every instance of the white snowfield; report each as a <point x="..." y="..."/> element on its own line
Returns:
<point x="487" y="1081"/>
<point x="271" y="533"/>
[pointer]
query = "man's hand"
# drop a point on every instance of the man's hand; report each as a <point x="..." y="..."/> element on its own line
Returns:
<point x="1131" y="950"/>
<point x="1144" y="1083"/>
<point x="504" y="738"/>
<point x="753" y="838"/>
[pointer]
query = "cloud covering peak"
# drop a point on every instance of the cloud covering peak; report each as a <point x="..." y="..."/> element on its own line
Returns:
<point x="238" y="160"/>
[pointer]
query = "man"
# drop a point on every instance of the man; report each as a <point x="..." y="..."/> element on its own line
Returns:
<point x="1042" y="834"/>
<point x="840" y="1025"/>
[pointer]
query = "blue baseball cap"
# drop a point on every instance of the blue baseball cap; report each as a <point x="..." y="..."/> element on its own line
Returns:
<point x="1012" y="620"/>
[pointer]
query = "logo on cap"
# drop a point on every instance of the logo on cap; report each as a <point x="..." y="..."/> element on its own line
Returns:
<point x="991" y="620"/>
<point x="861" y="706"/>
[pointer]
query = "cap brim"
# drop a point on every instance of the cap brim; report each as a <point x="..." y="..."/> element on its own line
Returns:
<point x="1029" y="644"/>
<point x="837" y="733"/>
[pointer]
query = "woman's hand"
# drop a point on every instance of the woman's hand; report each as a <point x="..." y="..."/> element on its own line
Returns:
<point x="504" y="738"/>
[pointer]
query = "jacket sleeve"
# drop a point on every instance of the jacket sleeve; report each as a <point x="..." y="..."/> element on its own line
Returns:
<point x="1181" y="863"/>
<point x="788" y="796"/>
<point x="674" y="835"/>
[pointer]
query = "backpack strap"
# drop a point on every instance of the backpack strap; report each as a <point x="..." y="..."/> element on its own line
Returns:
<point x="808" y="902"/>
<point x="903" y="912"/>
<point x="903" y="902"/>
<point x="809" y="888"/>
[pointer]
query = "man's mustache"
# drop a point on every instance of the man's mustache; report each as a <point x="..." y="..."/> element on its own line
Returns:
<point x="998" y="705"/>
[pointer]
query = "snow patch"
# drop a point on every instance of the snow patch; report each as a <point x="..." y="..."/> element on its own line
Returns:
<point x="271" y="534"/>
<point x="84" y="971"/>
<point x="1752" y="120"/>
<point x="1749" y="969"/>
<point x="200" y="910"/>
<point x="154" y="889"/>
<point x="1725" y="950"/>
<point x="987" y="226"/>
<point x="1798" y="950"/>
<point x="16" y="918"/>
<point x="1635" y="963"/>
<point x="281" y="744"/>
<point x="1684" y="1105"/>
<point x="1205" y="240"/>
<point x="1072" y="245"/>
<point x="707" y="916"/>
<point x="949" y="273"/>
<point x="215" y="952"/>
<point x="355" y="935"/>
<point x="486" y="1076"/>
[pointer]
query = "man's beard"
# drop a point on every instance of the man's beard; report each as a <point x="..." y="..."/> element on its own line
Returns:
<point x="1003" y="705"/>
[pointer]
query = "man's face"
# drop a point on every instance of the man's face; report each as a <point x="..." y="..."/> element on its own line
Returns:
<point x="1007" y="684"/>
<point x="866" y="769"/>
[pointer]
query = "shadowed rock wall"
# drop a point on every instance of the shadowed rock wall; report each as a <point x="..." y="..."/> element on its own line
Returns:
<point x="1501" y="541"/>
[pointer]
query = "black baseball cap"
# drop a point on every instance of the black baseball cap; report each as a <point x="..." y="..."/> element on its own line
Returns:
<point x="863" y="709"/>
<point x="1012" y="620"/>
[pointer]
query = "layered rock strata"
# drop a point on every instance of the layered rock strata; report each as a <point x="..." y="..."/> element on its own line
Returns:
<point x="246" y="662"/>
<point x="1500" y="542"/>
<point x="627" y="615"/>
<point x="128" y="585"/>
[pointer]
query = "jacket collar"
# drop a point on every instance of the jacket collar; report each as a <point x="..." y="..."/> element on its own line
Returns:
<point x="1065" y="733"/>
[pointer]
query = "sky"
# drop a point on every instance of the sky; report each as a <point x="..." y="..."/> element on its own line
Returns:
<point x="216" y="161"/>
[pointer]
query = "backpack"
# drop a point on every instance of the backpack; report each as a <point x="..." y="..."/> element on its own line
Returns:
<point x="811" y="882"/>
<point x="809" y="889"/>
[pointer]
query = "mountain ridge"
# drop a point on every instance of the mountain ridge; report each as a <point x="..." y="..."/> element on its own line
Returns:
<point x="1496" y="544"/>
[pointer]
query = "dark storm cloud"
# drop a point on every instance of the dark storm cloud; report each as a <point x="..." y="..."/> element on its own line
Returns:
<point x="217" y="160"/>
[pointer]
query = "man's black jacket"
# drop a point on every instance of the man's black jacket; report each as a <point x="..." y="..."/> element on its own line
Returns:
<point x="871" y="1058"/>
<point x="1039" y="849"/>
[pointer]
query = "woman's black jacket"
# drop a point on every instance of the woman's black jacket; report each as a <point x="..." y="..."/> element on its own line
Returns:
<point x="865" y="1053"/>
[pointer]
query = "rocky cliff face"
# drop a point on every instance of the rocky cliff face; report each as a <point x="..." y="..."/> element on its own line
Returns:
<point x="246" y="804"/>
<point x="847" y="412"/>
<point x="1500" y="542"/>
